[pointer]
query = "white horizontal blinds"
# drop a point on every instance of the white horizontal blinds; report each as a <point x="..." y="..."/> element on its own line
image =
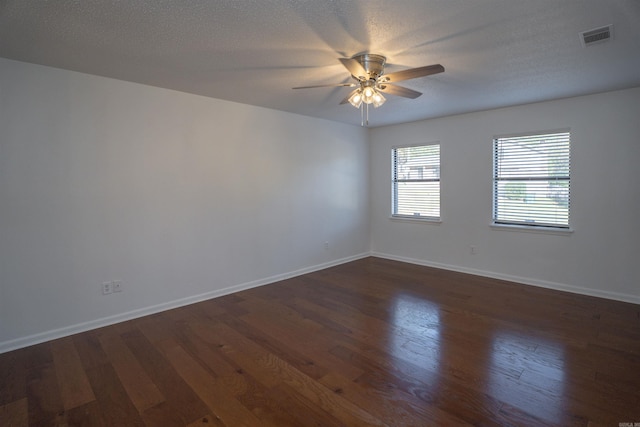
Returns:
<point x="416" y="181"/>
<point x="532" y="180"/>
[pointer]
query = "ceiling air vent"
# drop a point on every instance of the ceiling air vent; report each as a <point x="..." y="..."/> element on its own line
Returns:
<point x="597" y="35"/>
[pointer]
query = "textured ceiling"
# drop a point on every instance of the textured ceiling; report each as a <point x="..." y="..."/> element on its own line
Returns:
<point x="496" y="52"/>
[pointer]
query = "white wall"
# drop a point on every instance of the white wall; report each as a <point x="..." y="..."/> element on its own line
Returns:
<point x="181" y="197"/>
<point x="601" y="257"/>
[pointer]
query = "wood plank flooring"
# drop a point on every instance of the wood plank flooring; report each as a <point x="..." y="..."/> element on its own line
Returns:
<point x="369" y="343"/>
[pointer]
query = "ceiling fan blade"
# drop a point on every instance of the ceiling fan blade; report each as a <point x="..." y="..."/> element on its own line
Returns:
<point x="346" y="99"/>
<point x="355" y="68"/>
<point x="329" y="85"/>
<point x="399" y="90"/>
<point x="411" y="73"/>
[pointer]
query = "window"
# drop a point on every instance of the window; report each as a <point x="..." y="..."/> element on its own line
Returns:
<point x="531" y="180"/>
<point x="416" y="181"/>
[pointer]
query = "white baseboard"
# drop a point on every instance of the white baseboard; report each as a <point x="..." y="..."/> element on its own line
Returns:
<point x="634" y="299"/>
<point x="22" y="342"/>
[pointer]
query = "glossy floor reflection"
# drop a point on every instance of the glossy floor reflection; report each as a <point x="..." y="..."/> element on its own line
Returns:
<point x="489" y="358"/>
<point x="520" y="376"/>
<point x="414" y="332"/>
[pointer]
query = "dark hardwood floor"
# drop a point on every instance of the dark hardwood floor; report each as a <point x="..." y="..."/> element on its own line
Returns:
<point x="371" y="342"/>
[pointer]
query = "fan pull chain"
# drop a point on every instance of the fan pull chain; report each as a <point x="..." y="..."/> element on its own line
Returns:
<point x="367" y="114"/>
<point x="364" y="106"/>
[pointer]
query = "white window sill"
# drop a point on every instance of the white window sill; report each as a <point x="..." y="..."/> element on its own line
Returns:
<point x="533" y="229"/>
<point x="422" y="219"/>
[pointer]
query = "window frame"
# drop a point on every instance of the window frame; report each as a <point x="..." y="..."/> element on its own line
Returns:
<point x="395" y="181"/>
<point x="542" y="226"/>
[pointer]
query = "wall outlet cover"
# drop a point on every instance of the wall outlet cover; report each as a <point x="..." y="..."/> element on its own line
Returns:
<point x="107" y="288"/>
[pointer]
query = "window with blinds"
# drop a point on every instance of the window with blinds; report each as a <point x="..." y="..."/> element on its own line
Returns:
<point x="416" y="181"/>
<point x="531" y="180"/>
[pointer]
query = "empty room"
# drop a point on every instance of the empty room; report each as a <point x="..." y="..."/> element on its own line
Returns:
<point x="320" y="213"/>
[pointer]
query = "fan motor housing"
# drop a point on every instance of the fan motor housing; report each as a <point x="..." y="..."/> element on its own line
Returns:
<point x="373" y="64"/>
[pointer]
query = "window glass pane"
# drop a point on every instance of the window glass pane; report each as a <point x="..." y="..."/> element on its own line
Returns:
<point x="418" y="199"/>
<point x="532" y="180"/>
<point x="416" y="181"/>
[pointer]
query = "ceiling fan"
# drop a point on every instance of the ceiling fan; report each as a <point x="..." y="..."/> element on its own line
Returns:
<point x="367" y="69"/>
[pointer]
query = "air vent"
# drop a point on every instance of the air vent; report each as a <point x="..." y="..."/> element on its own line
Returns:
<point x="597" y="35"/>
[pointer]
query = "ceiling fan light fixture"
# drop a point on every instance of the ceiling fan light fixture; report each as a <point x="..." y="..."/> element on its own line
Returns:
<point x="368" y="91"/>
<point x="378" y="99"/>
<point x="356" y="98"/>
<point x="368" y="94"/>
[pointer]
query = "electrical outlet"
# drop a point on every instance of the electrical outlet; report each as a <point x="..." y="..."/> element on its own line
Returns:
<point x="473" y="250"/>
<point x="107" y="288"/>
<point x="117" y="285"/>
<point x="326" y="246"/>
